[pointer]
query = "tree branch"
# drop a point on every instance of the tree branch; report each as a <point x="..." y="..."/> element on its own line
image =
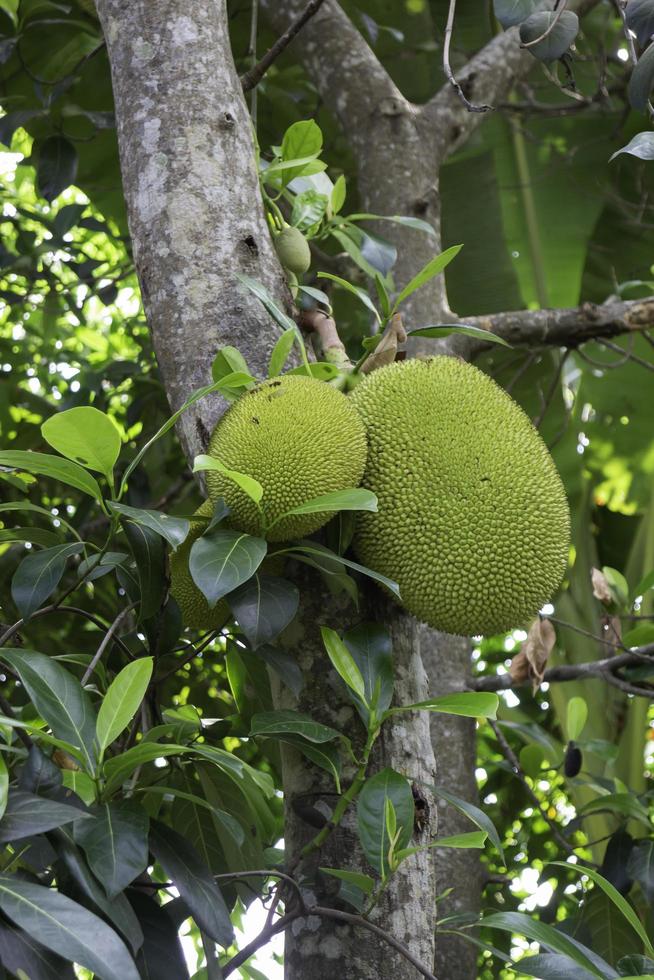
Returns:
<point x="252" y="77"/>
<point x="565" y="327"/>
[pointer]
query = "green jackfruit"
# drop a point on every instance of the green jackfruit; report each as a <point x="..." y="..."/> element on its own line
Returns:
<point x="473" y="522"/>
<point x="300" y="438"/>
<point x="293" y="250"/>
<point x="196" y="611"/>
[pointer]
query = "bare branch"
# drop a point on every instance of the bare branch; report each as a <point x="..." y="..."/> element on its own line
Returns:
<point x="447" y="68"/>
<point x="252" y="77"/>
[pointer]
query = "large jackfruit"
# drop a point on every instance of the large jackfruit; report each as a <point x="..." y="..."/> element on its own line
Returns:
<point x="196" y="611"/>
<point x="473" y="521"/>
<point x="300" y="438"/>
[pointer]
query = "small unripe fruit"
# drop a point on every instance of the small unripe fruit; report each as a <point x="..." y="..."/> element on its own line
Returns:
<point x="293" y="250"/>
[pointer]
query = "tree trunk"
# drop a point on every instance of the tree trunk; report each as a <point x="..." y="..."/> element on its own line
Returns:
<point x="196" y="219"/>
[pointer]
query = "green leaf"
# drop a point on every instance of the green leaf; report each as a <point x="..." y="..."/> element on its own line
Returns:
<point x="343" y="661"/>
<point x="222" y="560"/>
<point x="228" y="360"/>
<point x="264" y="606"/>
<point x="285" y="722"/>
<point x="308" y="209"/>
<point x="314" y="549"/>
<point x="445" y="330"/>
<point x="149" y="554"/>
<point x="23" y="952"/>
<point x="512" y="12"/>
<point x="645" y="584"/>
<point x="618" y="583"/>
<point x="476" y="838"/>
<point x="540" y="932"/>
<point x="357" y="291"/>
<point x="577" y="713"/>
<point x="399" y="219"/>
<point x="433" y="268"/>
<point x="623" y="803"/>
<point x="58" y="697"/>
<point x="53" y="467"/>
<point x="38" y="575"/>
<point x="640" y="866"/>
<point x="86" y="436"/>
<point x="561" y="33"/>
<point x="552" y="966"/>
<point x="324" y="755"/>
<point x="284" y="666"/>
<point x="642" y="80"/>
<point x="371" y="816"/>
<point x="56" y="168"/>
<point x="66" y="928"/>
<point x="531" y="758"/>
<point x="248" y="484"/>
<point x="4" y="787"/>
<point x="264" y="297"/>
<point x="639" y="966"/>
<point x="469" y="705"/>
<point x="640" y="635"/>
<point x="339" y="192"/>
<point x="194" y="882"/>
<point x="618" y="900"/>
<point x="36" y="535"/>
<point x="371" y="648"/>
<point x="355" y="498"/>
<point x="281" y="351"/>
<point x="122" y="701"/>
<point x="356" y="878"/>
<point x="473" y="813"/>
<point x="173" y="529"/>
<point x="639" y="15"/>
<point x="115" y="841"/>
<point x="28" y="814"/>
<point x="120" y="767"/>
<point x="301" y="139"/>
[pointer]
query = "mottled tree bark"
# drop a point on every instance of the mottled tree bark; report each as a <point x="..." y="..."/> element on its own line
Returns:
<point x="196" y="219"/>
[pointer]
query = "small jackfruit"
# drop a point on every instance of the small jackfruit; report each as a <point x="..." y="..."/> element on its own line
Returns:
<point x="473" y="522"/>
<point x="196" y="611"/>
<point x="293" y="250"/>
<point x="300" y="438"/>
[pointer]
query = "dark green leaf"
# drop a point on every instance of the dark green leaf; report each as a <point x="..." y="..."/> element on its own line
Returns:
<point x="21" y="951"/>
<point x="371" y="815"/>
<point x="641" y="866"/>
<point x="66" y="928"/>
<point x="118" y="768"/>
<point x="635" y="965"/>
<point x="363" y="882"/>
<point x="291" y="723"/>
<point x="58" y="697"/>
<point x="53" y="467"/>
<point x="263" y="606"/>
<point x="193" y="880"/>
<point x="639" y="15"/>
<point x="372" y="651"/>
<point x="222" y="560"/>
<point x="115" y="842"/>
<point x="38" y="575"/>
<point x="86" y="436"/>
<point x="552" y="939"/>
<point x="27" y="814"/>
<point x="641" y="81"/>
<point x="323" y="558"/>
<point x="14" y="120"/>
<point x="161" y="954"/>
<point x="57" y="166"/>
<point x="552" y="966"/>
<point x="511" y="12"/>
<point x="173" y="529"/>
<point x="326" y="755"/>
<point x="559" y="38"/>
<point x="284" y="666"/>
<point x="149" y="553"/>
<point x="378" y="252"/>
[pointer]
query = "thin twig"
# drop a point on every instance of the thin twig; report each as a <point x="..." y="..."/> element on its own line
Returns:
<point x="77" y="611"/>
<point x="252" y="77"/>
<point x="551" y="390"/>
<point x="262" y="939"/>
<point x="447" y="68"/>
<point x="106" y="640"/>
<point x="619" y="350"/>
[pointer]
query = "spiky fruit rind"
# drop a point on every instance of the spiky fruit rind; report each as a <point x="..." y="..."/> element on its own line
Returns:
<point x="196" y="611"/>
<point x="293" y="250"/>
<point x="473" y="521"/>
<point x="300" y="438"/>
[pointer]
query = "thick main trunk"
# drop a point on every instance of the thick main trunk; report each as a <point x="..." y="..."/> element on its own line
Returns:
<point x="196" y="220"/>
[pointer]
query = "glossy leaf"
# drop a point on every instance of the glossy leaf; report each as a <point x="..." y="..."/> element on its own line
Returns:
<point x="469" y="705"/>
<point x="56" y="168"/>
<point x="42" y="464"/>
<point x="364" y="882"/>
<point x="444" y="330"/>
<point x="264" y="606"/>
<point x="323" y="557"/>
<point x="194" y="882"/>
<point x="149" y="553"/>
<point x="473" y="813"/>
<point x="284" y="666"/>
<point x="122" y="701"/>
<point x="512" y="12"/>
<point x="280" y="352"/>
<point x="161" y="953"/>
<point x="640" y="866"/>
<point x="371" y="649"/>
<point x="291" y="723"/>
<point x="641" y="146"/>
<point x="38" y="575"/>
<point x="639" y="15"/>
<point x="222" y="560"/>
<point x="58" y="697"/>
<point x="86" y="436"/>
<point x="66" y="928"/>
<point x="552" y="966"/>
<point x="120" y="767"/>
<point x="27" y="814"/>
<point x="115" y="841"/>
<point x="433" y="268"/>
<point x="248" y="484"/>
<point x="324" y="755"/>
<point x="552" y="939"/>
<point x="20" y="951"/>
<point x="357" y="291"/>
<point x="371" y="816"/>
<point x="356" y="498"/>
<point x="343" y="661"/>
<point x="560" y="35"/>
<point x="642" y="80"/>
<point x="173" y="529"/>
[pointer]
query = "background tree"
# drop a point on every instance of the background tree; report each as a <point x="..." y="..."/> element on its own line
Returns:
<point x="410" y="147"/>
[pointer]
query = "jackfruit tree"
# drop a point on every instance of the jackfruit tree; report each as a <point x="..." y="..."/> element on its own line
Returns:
<point x="326" y="610"/>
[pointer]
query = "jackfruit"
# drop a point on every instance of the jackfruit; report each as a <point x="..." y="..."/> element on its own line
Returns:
<point x="473" y="522"/>
<point x="300" y="438"/>
<point x="196" y="611"/>
<point x="293" y="250"/>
